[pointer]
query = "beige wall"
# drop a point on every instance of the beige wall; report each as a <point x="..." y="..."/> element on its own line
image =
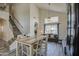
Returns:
<point x="22" y="14"/>
<point x="34" y="14"/>
<point x="62" y="20"/>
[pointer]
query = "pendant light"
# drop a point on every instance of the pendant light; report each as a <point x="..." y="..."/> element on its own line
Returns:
<point x="48" y="10"/>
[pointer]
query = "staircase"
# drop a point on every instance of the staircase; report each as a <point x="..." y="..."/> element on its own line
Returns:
<point x="5" y="45"/>
<point x="15" y="30"/>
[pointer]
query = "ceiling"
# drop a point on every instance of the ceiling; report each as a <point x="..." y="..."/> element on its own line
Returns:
<point x="58" y="7"/>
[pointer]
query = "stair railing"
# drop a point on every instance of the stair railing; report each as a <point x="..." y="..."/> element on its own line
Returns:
<point x="20" y="27"/>
<point x="17" y="20"/>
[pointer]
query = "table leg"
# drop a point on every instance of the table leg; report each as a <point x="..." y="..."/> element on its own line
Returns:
<point x="45" y="49"/>
<point x="22" y="49"/>
<point x="16" y="48"/>
<point x="30" y="52"/>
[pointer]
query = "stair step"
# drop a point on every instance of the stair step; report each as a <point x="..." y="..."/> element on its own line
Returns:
<point x="4" y="48"/>
<point x="16" y="31"/>
<point x="11" y="41"/>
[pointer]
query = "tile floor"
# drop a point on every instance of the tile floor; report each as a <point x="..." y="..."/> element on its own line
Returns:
<point x="54" y="49"/>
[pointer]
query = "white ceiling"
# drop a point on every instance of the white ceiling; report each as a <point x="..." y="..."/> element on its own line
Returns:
<point x="59" y="7"/>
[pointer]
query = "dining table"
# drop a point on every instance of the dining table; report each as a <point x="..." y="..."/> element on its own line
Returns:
<point x="29" y="42"/>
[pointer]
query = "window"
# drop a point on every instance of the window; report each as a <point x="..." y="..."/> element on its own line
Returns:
<point x="51" y="25"/>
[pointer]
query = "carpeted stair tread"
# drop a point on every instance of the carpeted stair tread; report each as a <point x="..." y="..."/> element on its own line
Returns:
<point x="3" y="46"/>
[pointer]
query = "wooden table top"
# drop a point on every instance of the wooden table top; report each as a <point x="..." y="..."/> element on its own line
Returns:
<point x="30" y="40"/>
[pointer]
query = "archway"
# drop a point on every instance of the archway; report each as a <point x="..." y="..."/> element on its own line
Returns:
<point x="2" y="24"/>
<point x="2" y="42"/>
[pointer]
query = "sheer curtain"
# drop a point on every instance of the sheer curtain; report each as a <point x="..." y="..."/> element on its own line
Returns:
<point x="51" y="25"/>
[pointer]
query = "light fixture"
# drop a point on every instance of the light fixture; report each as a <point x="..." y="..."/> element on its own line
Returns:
<point x="48" y="10"/>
